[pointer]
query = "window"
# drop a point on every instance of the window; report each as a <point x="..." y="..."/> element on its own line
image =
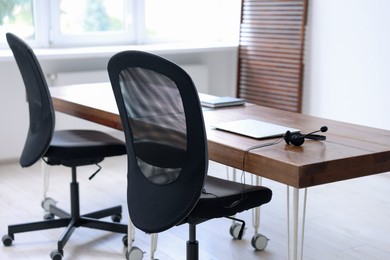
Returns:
<point x="188" y="20"/>
<point x="86" y="22"/>
<point x="17" y="16"/>
<point x="58" y="23"/>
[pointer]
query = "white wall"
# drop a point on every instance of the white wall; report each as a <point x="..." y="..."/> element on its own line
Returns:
<point x="348" y="61"/>
<point x="221" y="64"/>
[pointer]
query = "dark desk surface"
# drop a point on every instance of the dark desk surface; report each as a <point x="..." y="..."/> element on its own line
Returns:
<point x="350" y="151"/>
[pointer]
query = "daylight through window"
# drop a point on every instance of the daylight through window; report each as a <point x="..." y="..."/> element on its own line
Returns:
<point x="62" y="23"/>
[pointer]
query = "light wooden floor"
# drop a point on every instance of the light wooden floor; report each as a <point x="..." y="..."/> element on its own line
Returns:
<point x="345" y="220"/>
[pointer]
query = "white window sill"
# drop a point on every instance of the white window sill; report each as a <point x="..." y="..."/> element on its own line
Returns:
<point x="108" y="51"/>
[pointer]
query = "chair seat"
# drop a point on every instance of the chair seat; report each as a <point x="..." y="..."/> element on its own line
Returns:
<point x="82" y="147"/>
<point x="223" y="198"/>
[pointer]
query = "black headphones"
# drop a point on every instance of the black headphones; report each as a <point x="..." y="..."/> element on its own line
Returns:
<point x="298" y="139"/>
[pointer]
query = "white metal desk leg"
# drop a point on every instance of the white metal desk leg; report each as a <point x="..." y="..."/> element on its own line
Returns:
<point x="130" y="235"/>
<point x="256" y="211"/>
<point x="288" y="222"/>
<point x="133" y="252"/>
<point x="234" y="228"/>
<point x="46" y="201"/>
<point x="293" y="245"/>
<point x="259" y="241"/>
<point x="303" y="221"/>
<point x="46" y="178"/>
<point x="295" y="221"/>
<point x="153" y="245"/>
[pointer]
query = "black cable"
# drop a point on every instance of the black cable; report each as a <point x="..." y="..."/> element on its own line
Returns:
<point x="243" y="195"/>
<point x="243" y="165"/>
<point x="257" y="147"/>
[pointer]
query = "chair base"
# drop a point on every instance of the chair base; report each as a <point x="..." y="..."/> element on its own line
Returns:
<point x="192" y="244"/>
<point x="192" y="250"/>
<point x="88" y="220"/>
<point x="71" y="221"/>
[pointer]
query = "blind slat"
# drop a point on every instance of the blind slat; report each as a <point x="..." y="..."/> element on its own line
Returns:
<point x="271" y="53"/>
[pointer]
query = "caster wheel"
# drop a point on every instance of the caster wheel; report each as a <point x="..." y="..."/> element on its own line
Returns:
<point x="7" y="240"/>
<point x="116" y="218"/>
<point x="56" y="255"/>
<point x="47" y="202"/>
<point x="235" y="231"/>
<point x="259" y="242"/>
<point x="134" y="254"/>
<point x="125" y="241"/>
<point x="48" y="216"/>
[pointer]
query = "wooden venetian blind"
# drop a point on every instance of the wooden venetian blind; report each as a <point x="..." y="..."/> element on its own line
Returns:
<point x="270" y="65"/>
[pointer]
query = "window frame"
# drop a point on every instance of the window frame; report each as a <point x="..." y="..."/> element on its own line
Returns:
<point x="57" y="39"/>
<point x="46" y="19"/>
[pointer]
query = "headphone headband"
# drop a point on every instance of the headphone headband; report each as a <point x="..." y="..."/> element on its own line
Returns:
<point x="298" y="139"/>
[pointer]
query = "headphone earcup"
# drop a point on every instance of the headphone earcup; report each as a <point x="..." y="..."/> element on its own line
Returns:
<point x="287" y="136"/>
<point x="297" y="139"/>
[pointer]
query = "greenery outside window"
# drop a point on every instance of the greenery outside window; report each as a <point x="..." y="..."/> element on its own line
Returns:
<point x="70" y="23"/>
<point x="17" y="15"/>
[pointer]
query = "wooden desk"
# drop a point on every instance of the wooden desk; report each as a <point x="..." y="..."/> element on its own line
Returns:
<point x="350" y="151"/>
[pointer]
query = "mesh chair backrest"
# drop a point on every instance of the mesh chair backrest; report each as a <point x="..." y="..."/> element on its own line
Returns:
<point x="41" y="110"/>
<point x="157" y="123"/>
<point x="165" y="138"/>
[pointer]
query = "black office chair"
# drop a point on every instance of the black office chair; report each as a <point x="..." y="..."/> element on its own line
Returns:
<point x="166" y="142"/>
<point x="71" y="148"/>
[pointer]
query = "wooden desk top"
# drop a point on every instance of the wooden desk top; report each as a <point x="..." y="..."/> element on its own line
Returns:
<point x="350" y="151"/>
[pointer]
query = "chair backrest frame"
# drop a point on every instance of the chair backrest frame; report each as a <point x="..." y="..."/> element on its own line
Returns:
<point x="41" y="110"/>
<point x="154" y="208"/>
